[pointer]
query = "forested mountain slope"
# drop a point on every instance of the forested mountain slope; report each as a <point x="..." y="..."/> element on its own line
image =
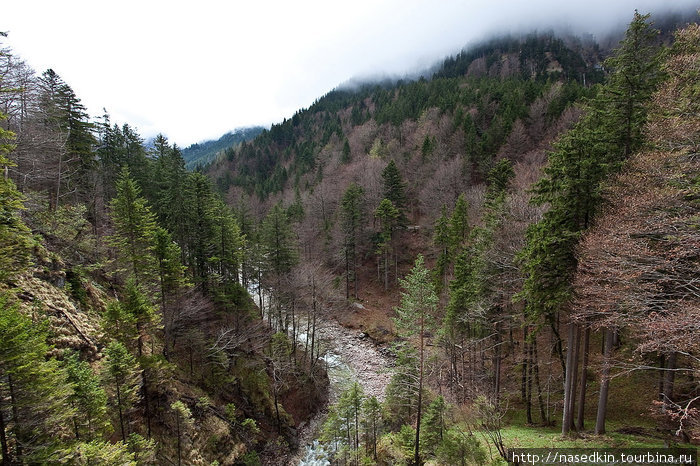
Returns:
<point x="203" y="153"/>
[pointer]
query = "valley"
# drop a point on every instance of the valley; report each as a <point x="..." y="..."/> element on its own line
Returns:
<point x="499" y="253"/>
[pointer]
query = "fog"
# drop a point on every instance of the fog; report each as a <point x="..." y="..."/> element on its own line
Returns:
<point x="195" y="72"/>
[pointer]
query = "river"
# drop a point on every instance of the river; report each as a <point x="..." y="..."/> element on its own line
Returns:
<point x="350" y="356"/>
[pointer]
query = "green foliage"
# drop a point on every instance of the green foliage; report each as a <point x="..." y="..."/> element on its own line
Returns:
<point x="433" y="426"/>
<point x="345" y="157"/>
<point x="352" y="221"/>
<point x="144" y="450"/>
<point x="279" y="242"/>
<point x="171" y="272"/>
<point x="101" y="453"/>
<point x="459" y="224"/>
<point x="15" y="240"/>
<point x="635" y="73"/>
<point x="581" y="161"/>
<point x="459" y="447"/>
<point x="250" y="426"/>
<point x="134" y="226"/>
<point x="34" y="390"/>
<point x="402" y="390"/>
<point x="419" y="302"/>
<point x="88" y="398"/>
<point x="395" y="190"/>
<point x="441" y="239"/>
<point x="120" y="375"/>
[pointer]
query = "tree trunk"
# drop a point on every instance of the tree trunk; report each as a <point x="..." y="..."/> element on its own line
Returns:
<point x="669" y="380"/>
<point x="536" y="370"/>
<point x="147" y="404"/>
<point x="347" y="275"/>
<point x="528" y="391"/>
<point x="584" y="371"/>
<point x="19" y="435"/>
<point x="119" y="409"/>
<point x="497" y="367"/>
<point x="570" y="379"/>
<point x="416" y="456"/>
<point x="604" y="383"/>
<point x="4" y="450"/>
<point x="179" y="446"/>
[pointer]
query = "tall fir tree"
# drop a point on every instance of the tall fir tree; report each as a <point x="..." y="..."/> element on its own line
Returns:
<point x="352" y="221"/>
<point x="395" y="190"/>
<point x="414" y="318"/>
<point x="134" y="227"/>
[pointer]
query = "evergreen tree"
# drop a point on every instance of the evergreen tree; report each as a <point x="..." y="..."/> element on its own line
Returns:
<point x="279" y="242"/>
<point x="434" y="426"/>
<point x="459" y="225"/>
<point x="34" y="392"/>
<point x="352" y="222"/>
<point x="229" y="245"/>
<point x="101" y="453"/>
<point x="414" y="317"/>
<point x="201" y="232"/>
<point x="119" y="374"/>
<point x="388" y="216"/>
<point x="171" y="272"/>
<point x="635" y="73"/>
<point x="134" y="227"/>
<point x="345" y="158"/>
<point x="279" y="248"/>
<point x="15" y="242"/>
<point x="441" y="239"/>
<point x="88" y="399"/>
<point x="183" y="420"/>
<point x="395" y="190"/>
<point x="372" y="424"/>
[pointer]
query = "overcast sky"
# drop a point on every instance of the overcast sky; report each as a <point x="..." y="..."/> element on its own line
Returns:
<point x="195" y="70"/>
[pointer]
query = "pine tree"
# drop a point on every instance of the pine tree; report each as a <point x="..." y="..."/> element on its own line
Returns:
<point x="88" y="398"/>
<point x="414" y="317"/>
<point x="434" y="425"/>
<point x="388" y="216"/>
<point x="395" y="190"/>
<point x="635" y="73"/>
<point x="352" y="222"/>
<point x="34" y="392"/>
<point x="200" y="219"/>
<point x="459" y="225"/>
<point x="441" y="239"/>
<point x="372" y="424"/>
<point x="119" y="374"/>
<point x="134" y="227"/>
<point x="15" y="240"/>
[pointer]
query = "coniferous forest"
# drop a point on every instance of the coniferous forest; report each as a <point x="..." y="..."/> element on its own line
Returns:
<point x="516" y="234"/>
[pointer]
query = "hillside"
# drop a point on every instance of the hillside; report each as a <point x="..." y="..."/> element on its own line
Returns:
<point x="202" y="153"/>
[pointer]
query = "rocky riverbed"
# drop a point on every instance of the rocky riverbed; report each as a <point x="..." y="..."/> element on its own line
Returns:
<point x="350" y="356"/>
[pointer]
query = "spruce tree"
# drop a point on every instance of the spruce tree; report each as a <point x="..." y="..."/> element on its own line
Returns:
<point x="414" y="317"/>
<point x="88" y="398"/>
<point x="134" y="227"/>
<point x="395" y="190"/>
<point x="120" y="375"/>
<point x="15" y="239"/>
<point x="388" y="216"/>
<point x="34" y="392"/>
<point x="352" y="222"/>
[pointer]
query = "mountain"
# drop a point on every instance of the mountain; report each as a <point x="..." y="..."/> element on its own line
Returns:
<point x="201" y="153"/>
